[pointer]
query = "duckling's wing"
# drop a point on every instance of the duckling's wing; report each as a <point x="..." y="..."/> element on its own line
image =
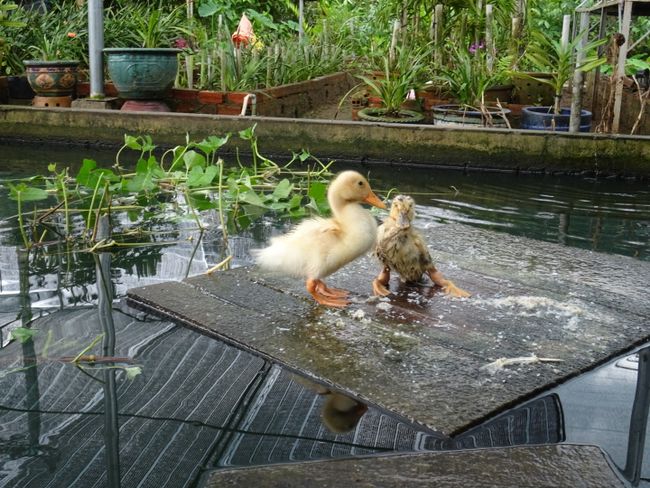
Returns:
<point x="422" y="251"/>
<point x="303" y="252"/>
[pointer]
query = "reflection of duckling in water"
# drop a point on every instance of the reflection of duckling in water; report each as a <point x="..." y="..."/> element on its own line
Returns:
<point x="341" y="413"/>
<point x="401" y="248"/>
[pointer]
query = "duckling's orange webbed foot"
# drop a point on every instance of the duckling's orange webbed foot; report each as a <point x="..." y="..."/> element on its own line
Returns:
<point x="447" y="286"/>
<point x="379" y="285"/>
<point x="326" y="296"/>
<point x="323" y="289"/>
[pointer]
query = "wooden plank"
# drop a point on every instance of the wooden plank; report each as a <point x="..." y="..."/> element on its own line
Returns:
<point x="422" y="354"/>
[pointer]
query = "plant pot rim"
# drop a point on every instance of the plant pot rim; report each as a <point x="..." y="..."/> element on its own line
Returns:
<point x="162" y="50"/>
<point x="455" y="107"/>
<point x="54" y="62"/>
<point x="548" y="110"/>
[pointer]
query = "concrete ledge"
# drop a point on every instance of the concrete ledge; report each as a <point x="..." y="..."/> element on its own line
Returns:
<point x="543" y="466"/>
<point x="474" y="148"/>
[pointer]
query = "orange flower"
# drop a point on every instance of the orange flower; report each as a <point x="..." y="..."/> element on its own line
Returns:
<point x="72" y="35"/>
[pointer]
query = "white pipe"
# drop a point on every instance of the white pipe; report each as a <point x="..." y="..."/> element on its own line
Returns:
<point x="253" y="100"/>
<point x="566" y="26"/>
<point x="95" y="47"/>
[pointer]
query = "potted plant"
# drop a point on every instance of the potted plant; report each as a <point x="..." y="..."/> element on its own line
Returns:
<point x="146" y="72"/>
<point x="12" y="87"/>
<point x="467" y="78"/>
<point x="398" y="80"/>
<point x="556" y="58"/>
<point x="53" y="70"/>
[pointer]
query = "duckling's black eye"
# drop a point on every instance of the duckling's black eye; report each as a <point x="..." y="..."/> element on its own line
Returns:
<point x="360" y="183"/>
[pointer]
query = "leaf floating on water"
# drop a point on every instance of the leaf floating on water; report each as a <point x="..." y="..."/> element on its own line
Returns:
<point x="25" y="193"/>
<point x="132" y="372"/>
<point x="22" y="334"/>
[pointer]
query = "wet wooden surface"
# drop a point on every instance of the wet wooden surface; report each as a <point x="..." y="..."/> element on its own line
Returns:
<point x="420" y="353"/>
<point x="541" y="466"/>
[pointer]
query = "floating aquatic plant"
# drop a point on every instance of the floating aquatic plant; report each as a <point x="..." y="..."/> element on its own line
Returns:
<point x="185" y="182"/>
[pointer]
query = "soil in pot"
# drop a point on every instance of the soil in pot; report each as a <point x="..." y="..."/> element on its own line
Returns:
<point x="374" y="114"/>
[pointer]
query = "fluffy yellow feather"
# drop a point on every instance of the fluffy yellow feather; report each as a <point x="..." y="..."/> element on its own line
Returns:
<point x="318" y="247"/>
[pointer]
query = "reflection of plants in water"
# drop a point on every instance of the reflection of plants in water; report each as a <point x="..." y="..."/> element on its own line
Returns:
<point x="184" y="183"/>
<point x="83" y="361"/>
<point x="72" y="270"/>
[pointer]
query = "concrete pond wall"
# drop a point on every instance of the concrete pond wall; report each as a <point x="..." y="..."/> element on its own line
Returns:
<point x="464" y="148"/>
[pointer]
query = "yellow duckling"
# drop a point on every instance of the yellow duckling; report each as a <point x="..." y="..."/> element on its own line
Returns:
<point x="401" y="248"/>
<point x="318" y="247"/>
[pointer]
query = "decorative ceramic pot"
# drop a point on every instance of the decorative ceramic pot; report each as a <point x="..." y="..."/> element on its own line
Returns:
<point x="543" y="118"/>
<point x="142" y="73"/>
<point x="52" y="78"/>
<point x="457" y="114"/>
<point x="375" y="114"/>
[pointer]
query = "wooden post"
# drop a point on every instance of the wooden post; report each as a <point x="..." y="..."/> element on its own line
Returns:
<point x="437" y="33"/>
<point x="601" y="49"/>
<point x="620" y="68"/>
<point x="579" y="75"/>
<point x="489" y="38"/>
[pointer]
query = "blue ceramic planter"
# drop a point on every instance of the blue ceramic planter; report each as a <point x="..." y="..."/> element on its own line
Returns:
<point x="543" y="118"/>
<point x="142" y="73"/>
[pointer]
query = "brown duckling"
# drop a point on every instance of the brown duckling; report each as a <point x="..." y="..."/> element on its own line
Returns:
<point x="401" y="248"/>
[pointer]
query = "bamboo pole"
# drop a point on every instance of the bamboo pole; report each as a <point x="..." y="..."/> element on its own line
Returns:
<point x="301" y="19"/>
<point x="489" y="37"/>
<point x="222" y="68"/>
<point x="566" y="29"/>
<point x="579" y="75"/>
<point x="620" y="68"/>
<point x="189" y="70"/>
<point x="393" y="42"/>
<point x="515" y="36"/>
<point x="477" y="33"/>
<point x="269" y="65"/>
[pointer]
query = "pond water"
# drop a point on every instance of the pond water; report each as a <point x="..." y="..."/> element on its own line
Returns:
<point x="199" y="404"/>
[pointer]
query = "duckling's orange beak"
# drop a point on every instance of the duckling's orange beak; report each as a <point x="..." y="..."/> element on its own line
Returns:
<point x="374" y="200"/>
